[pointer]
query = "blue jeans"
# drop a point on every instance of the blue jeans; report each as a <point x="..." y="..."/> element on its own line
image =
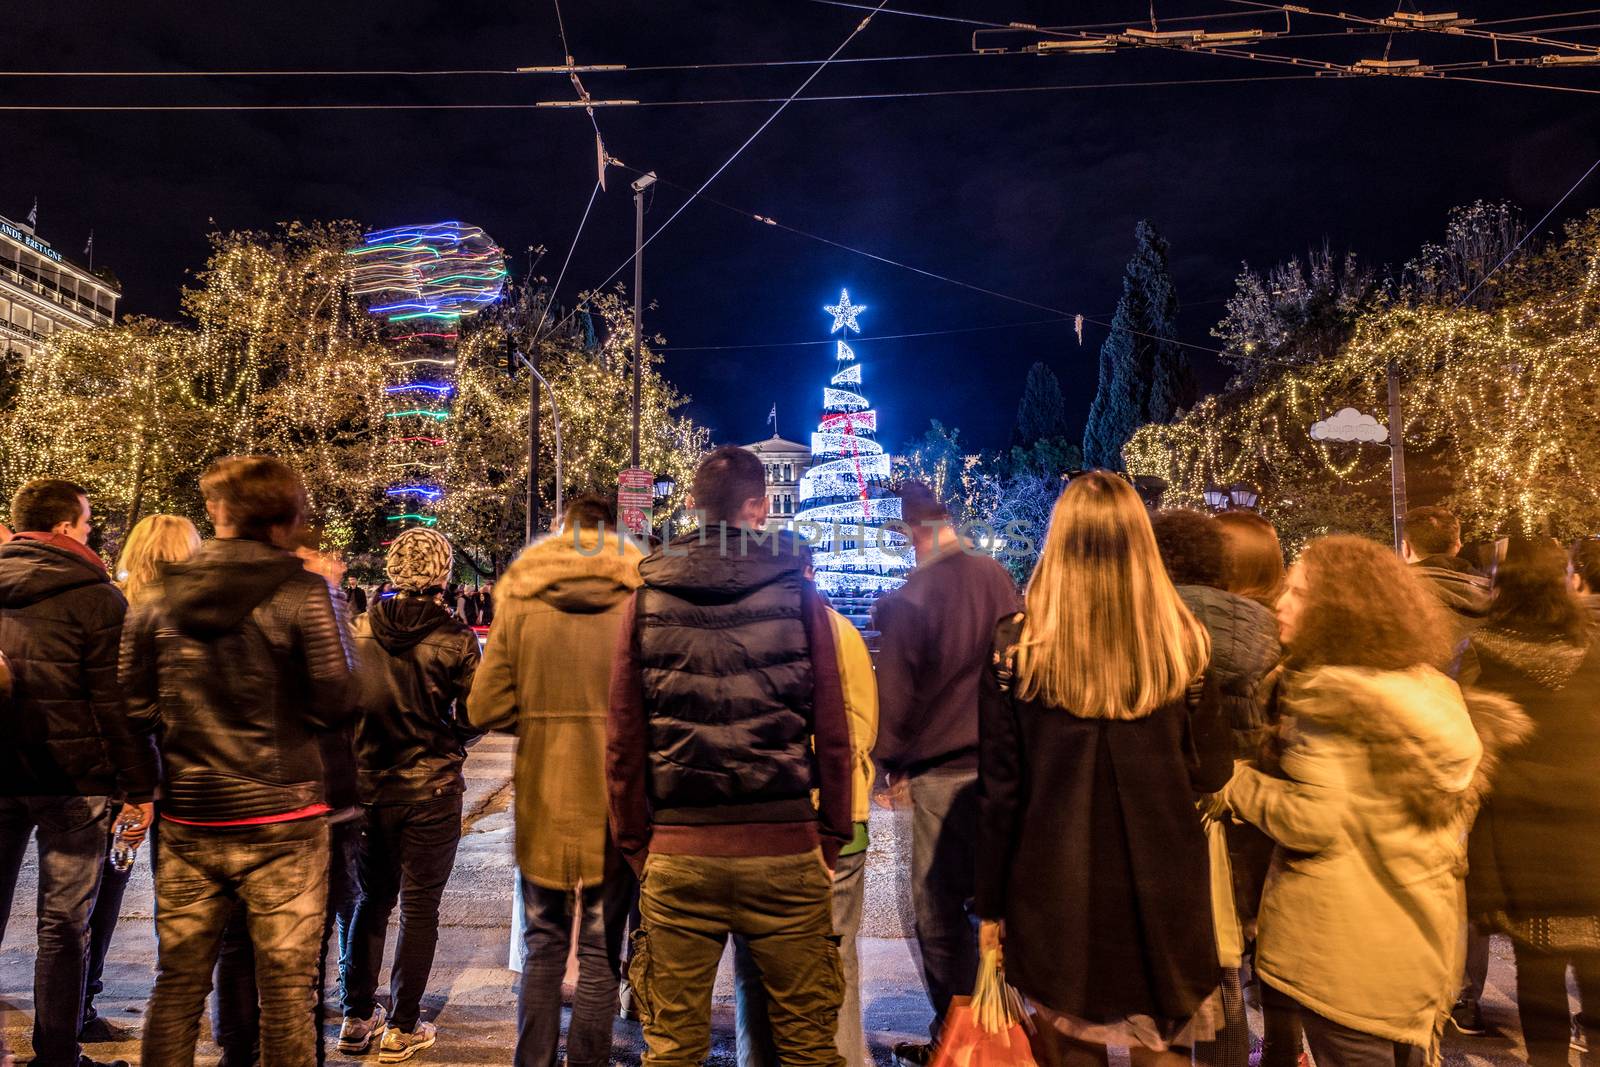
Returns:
<point x="278" y="875"/>
<point x="72" y="835"/>
<point x="755" y="1044"/>
<point x="547" y="936"/>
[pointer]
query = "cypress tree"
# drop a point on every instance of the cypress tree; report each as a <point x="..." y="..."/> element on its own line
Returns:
<point x="1042" y="411"/>
<point x="1144" y="377"/>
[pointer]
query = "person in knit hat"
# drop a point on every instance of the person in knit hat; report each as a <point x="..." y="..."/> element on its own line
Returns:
<point x="417" y="662"/>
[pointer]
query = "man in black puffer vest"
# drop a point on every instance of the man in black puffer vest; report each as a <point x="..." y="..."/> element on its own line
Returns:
<point x="70" y="748"/>
<point x="726" y="713"/>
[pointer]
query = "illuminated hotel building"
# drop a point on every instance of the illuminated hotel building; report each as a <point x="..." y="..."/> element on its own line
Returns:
<point x="41" y="291"/>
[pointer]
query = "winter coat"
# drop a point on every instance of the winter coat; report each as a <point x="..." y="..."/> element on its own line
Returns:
<point x="1382" y="772"/>
<point x="244" y="660"/>
<point x="938" y="632"/>
<point x="545" y="675"/>
<point x="67" y="731"/>
<point x="415" y="666"/>
<point x="1533" y="848"/>
<point x="1091" y="848"/>
<point x="860" y="686"/>
<point x="1244" y="649"/>
<point x="1463" y="590"/>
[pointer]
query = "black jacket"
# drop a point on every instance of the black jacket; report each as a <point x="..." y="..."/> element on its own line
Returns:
<point x="416" y="663"/>
<point x="245" y="660"/>
<point x="66" y="730"/>
<point x="727" y="682"/>
<point x="1460" y="588"/>
<point x="1091" y="849"/>
<point x="1244" y="650"/>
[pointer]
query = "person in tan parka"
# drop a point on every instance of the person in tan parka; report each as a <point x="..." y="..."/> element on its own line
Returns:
<point x="545" y="676"/>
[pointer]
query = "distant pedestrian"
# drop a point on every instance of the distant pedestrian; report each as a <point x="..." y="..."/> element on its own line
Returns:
<point x="154" y="540"/>
<point x="470" y="605"/>
<point x="1535" y="865"/>
<point x="562" y="602"/>
<point x="1101" y="725"/>
<point x="74" y="759"/>
<point x="1255" y="557"/>
<point x="355" y="597"/>
<point x="416" y="664"/>
<point x="938" y="631"/>
<point x="486" y="605"/>
<point x="725" y="714"/>
<point x="1378" y="770"/>
<point x="244" y="659"/>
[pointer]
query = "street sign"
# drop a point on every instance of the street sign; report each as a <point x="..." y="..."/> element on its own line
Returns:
<point x="636" y="489"/>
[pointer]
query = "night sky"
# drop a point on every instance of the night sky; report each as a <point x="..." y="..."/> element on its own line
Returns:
<point x="1031" y="194"/>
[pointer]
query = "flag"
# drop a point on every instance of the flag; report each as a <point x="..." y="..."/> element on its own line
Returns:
<point x="33" y="213"/>
<point x="88" y="249"/>
<point x="772" y="417"/>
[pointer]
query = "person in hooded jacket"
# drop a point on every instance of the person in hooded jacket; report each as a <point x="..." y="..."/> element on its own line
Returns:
<point x="1244" y="651"/>
<point x="1432" y="541"/>
<point x="726" y="712"/>
<point x="1535" y="870"/>
<point x="241" y="662"/>
<point x="561" y="602"/>
<point x="416" y="663"/>
<point x="72" y="753"/>
<point x="1380" y="767"/>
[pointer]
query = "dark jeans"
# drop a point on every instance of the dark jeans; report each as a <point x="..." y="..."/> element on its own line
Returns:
<point x="235" y="1021"/>
<point x="102" y="925"/>
<point x="72" y="834"/>
<point x="1280" y="1027"/>
<point x="1542" y="1001"/>
<point x="1336" y="1045"/>
<point x="944" y="871"/>
<point x="755" y="1045"/>
<point x="1476" y="966"/>
<point x="547" y="937"/>
<point x="406" y="854"/>
<point x="279" y="874"/>
<point x="689" y="906"/>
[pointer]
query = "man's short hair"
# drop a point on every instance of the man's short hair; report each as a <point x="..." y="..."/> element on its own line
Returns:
<point x="920" y="504"/>
<point x="1192" y="546"/>
<point x="590" y="511"/>
<point x="260" y="493"/>
<point x="725" y="479"/>
<point x="42" y="503"/>
<point x="1432" y="531"/>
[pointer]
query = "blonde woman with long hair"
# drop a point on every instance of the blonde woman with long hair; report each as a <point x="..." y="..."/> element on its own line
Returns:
<point x="1099" y="728"/>
<point x="153" y="541"/>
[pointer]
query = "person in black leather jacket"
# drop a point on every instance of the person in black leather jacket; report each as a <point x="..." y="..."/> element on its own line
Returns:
<point x="243" y="661"/>
<point x="417" y="663"/>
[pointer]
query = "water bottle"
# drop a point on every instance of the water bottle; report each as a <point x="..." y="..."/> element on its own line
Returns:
<point x="122" y="852"/>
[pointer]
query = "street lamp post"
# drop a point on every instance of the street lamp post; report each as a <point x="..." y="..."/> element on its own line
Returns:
<point x="664" y="487"/>
<point x="639" y="187"/>
<point x="535" y="380"/>
<point x="1349" y="426"/>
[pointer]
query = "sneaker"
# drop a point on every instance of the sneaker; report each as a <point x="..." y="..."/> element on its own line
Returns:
<point x="99" y="1031"/>
<point x="397" y="1045"/>
<point x="355" y="1035"/>
<point x="1580" y="1037"/>
<point x="1467" y="1018"/>
<point x="913" y="1054"/>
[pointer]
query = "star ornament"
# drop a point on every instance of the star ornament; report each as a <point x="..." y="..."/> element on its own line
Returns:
<point x="844" y="313"/>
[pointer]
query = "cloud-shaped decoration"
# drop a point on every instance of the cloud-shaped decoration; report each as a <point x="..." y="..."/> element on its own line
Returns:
<point x="1348" y="424"/>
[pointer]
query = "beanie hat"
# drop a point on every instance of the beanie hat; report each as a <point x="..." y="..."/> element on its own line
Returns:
<point x="419" y="559"/>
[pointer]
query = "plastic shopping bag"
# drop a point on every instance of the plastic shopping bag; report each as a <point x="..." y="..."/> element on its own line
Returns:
<point x="987" y="1029"/>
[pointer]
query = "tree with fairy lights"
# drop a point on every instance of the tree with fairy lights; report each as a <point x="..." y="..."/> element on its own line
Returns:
<point x="845" y="500"/>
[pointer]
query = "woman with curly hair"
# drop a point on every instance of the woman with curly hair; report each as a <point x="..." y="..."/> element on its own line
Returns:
<point x="1379" y="773"/>
<point x="1535" y="848"/>
<point x="1097" y="728"/>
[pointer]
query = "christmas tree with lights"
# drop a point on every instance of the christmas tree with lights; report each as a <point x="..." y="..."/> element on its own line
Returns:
<point x="845" y="497"/>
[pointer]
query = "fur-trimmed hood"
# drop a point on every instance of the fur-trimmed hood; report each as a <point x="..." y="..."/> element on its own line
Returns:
<point x="1429" y="742"/>
<point x="575" y="571"/>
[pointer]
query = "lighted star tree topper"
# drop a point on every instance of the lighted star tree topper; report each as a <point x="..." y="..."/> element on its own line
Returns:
<point x="423" y="280"/>
<point x="845" y="497"/>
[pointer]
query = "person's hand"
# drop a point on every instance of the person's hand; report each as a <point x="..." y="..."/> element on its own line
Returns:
<point x="825" y="868"/>
<point x="135" y="821"/>
<point x="896" y="797"/>
<point x="991" y="935"/>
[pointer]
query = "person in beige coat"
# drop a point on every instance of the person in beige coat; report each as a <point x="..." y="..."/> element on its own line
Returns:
<point x="545" y="675"/>
<point x="1381" y="766"/>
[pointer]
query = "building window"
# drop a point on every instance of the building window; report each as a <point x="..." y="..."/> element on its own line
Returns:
<point x="788" y="503"/>
<point x="787" y="469"/>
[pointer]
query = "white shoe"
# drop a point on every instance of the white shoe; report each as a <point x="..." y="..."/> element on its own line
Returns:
<point x="355" y="1035"/>
<point x="398" y="1046"/>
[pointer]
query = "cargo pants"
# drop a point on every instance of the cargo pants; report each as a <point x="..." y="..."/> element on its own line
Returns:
<point x="782" y="907"/>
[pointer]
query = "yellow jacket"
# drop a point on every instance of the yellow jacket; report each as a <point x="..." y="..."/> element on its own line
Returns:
<point x="860" y="687"/>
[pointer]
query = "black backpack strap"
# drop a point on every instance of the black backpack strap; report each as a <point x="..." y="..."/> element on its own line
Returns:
<point x="1007" y="634"/>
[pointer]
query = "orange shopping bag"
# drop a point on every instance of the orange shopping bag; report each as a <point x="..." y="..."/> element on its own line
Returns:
<point x="987" y="1029"/>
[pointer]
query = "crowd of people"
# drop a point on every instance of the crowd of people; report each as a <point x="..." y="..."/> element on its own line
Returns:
<point x="1170" y="778"/>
